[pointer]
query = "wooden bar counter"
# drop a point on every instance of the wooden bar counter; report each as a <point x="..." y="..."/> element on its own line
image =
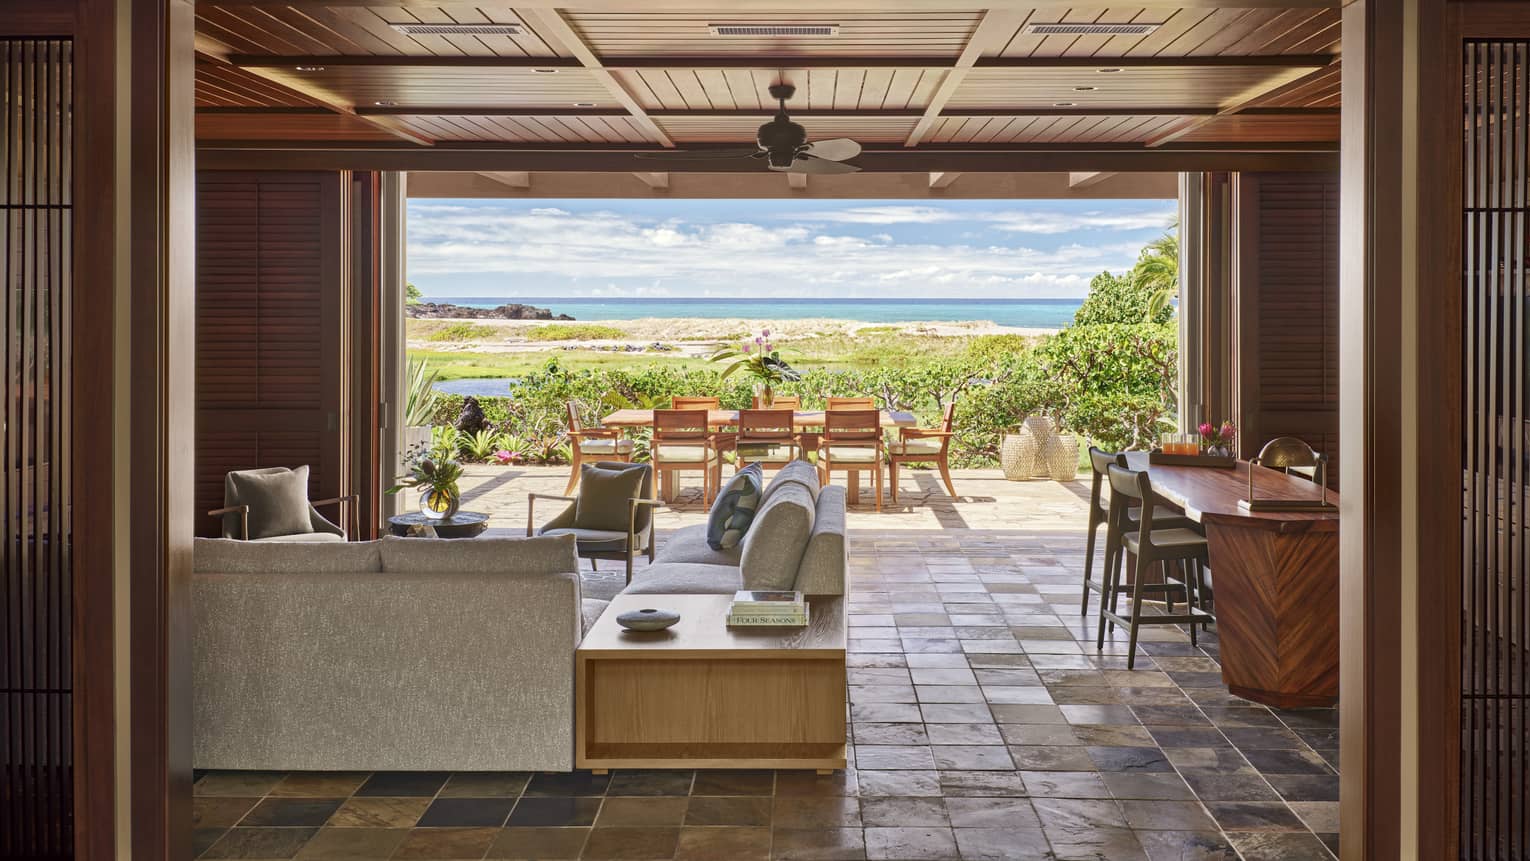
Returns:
<point x="1275" y="580"/>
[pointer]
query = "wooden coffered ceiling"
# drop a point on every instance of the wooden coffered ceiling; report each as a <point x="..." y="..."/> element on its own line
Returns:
<point x="609" y="77"/>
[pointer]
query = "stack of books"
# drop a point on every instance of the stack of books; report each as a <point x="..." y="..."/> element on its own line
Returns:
<point x="767" y="609"/>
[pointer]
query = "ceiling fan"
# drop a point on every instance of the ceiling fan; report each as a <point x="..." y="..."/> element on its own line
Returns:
<point x="784" y="146"/>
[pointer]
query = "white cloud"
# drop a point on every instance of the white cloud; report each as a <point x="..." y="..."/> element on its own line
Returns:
<point x="1039" y="221"/>
<point x="546" y="251"/>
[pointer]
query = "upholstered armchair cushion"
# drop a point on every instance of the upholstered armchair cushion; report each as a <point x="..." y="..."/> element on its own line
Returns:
<point x="277" y="498"/>
<point x="605" y="494"/>
<point x="915" y="446"/>
<point x="605" y="447"/>
<point x="774" y="544"/>
<point x="674" y="452"/>
<point x="735" y="507"/>
<point x="851" y="454"/>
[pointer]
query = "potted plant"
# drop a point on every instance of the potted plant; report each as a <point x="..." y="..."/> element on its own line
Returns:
<point x="760" y="360"/>
<point x="434" y="473"/>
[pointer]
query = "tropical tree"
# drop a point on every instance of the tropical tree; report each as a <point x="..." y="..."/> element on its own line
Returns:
<point x="1157" y="272"/>
<point x="412" y="295"/>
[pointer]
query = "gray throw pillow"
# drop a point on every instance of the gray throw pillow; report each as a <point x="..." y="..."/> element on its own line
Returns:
<point x="734" y="509"/>
<point x="603" y="497"/>
<point x="278" y="500"/>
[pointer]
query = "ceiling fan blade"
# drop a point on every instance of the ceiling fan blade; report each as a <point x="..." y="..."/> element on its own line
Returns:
<point x="820" y="166"/>
<point x="834" y="149"/>
<point x="688" y="154"/>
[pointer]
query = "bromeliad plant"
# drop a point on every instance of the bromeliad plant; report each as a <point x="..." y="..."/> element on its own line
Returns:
<point x="760" y="360"/>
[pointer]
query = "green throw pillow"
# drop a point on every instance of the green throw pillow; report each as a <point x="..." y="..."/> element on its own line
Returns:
<point x="603" y="497"/>
<point x="734" y="509"/>
<point x="278" y="500"/>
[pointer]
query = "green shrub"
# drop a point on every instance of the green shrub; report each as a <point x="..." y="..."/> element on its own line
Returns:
<point x="1122" y="299"/>
<point x="462" y="331"/>
<point x="573" y="332"/>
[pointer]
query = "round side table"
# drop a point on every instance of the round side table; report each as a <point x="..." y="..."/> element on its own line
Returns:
<point x="463" y="524"/>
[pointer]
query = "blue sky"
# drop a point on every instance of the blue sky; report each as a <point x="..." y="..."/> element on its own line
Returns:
<point x="775" y="248"/>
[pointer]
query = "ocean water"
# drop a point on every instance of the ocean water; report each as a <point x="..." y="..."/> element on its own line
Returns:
<point x="1023" y="313"/>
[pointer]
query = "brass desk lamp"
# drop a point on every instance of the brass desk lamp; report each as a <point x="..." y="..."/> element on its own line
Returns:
<point x="1288" y="452"/>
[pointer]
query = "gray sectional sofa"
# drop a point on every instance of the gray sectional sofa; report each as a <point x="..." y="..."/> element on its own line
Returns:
<point x="400" y="654"/>
<point x="797" y="541"/>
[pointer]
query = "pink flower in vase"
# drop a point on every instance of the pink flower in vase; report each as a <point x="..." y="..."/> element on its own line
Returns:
<point x="1207" y="430"/>
<point x="1228" y="431"/>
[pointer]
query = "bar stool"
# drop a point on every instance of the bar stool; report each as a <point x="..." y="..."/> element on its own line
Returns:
<point x="1099" y="512"/>
<point x="1151" y="545"/>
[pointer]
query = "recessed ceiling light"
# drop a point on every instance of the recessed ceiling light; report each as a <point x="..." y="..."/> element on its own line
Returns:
<point x="1084" y="89"/>
<point x="545" y="71"/>
<point x="384" y="103"/>
<point x="1062" y="104"/>
<point x="1109" y="71"/>
<point x="584" y="104"/>
<point x="309" y="68"/>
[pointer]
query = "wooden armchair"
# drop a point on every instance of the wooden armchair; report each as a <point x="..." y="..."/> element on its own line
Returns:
<point x="852" y="442"/>
<point x="241" y="495"/>
<point x="722" y="440"/>
<point x="922" y="445"/>
<point x="621" y="540"/>
<point x="850" y="403"/>
<point x="599" y="443"/>
<point x="683" y="441"/>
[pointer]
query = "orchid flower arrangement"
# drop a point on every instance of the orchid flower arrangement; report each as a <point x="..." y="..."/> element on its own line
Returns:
<point x="760" y="360"/>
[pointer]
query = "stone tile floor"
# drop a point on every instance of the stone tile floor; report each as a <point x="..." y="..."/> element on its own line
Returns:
<point x="985" y="725"/>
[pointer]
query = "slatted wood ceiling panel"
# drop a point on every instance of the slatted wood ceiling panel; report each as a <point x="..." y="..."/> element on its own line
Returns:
<point x="739" y="129"/>
<point x="749" y="89"/>
<point x="362" y="30"/>
<point x="1171" y="86"/>
<point x="288" y="127"/>
<point x="1317" y="90"/>
<point x="1183" y="32"/>
<point x="365" y="86"/>
<point x="1240" y="127"/>
<point x="1031" y="130"/>
<point x="267" y="290"/>
<point x="224" y="86"/>
<point x="527" y="129"/>
<point x="1298" y="311"/>
<point x="861" y="33"/>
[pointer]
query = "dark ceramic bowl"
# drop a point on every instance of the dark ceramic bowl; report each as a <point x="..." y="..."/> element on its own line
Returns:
<point x="647" y="619"/>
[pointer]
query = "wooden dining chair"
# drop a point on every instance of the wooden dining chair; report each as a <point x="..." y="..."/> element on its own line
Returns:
<point x="766" y="437"/>
<point x="850" y="403"/>
<point x="779" y="402"/>
<point x="1185" y="549"/>
<point x="922" y="445"/>
<point x="597" y="443"/>
<point x="722" y="440"/>
<point x="852" y="442"/>
<point x="683" y="442"/>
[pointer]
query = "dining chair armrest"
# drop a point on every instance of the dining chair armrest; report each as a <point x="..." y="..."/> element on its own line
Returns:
<point x="244" y="518"/>
<point x="596" y="433"/>
<point x="353" y="501"/>
<point x="531" y="507"/>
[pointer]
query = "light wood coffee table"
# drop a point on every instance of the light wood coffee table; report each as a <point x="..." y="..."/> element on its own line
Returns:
<point x="703" y="695"/>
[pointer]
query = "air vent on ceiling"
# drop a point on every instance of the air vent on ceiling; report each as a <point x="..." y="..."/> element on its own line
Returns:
<point x="458" y="29"/>
<point x="774" y="29"/>
<point x="1090" y="29"/>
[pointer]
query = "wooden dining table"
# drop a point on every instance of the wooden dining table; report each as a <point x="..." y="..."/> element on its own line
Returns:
<point x="801" y="419"/>
<point x="1275" y="579"/>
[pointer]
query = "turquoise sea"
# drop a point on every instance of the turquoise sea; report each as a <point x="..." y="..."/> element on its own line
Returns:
<point x="1024" y="313"/>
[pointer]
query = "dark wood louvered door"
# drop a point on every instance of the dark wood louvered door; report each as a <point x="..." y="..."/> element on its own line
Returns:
<point x="271" y="262"/>
<point x="1288" y="310"/>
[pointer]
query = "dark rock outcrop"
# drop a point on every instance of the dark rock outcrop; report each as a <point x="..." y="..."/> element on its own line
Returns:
<point x="471" y="420"/>
<point x="513" y="311"/>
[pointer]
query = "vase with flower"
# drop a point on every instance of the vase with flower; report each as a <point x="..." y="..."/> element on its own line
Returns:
<point x="434" y="473"/>
<point x="760" y="360"/>
<point x="1218" y="440"/>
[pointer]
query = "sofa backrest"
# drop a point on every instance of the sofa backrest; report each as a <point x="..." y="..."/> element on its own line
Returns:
<point x="231" y="556"/>
<point x="798" y="472"/>
<point x="822" y="568"/>
<point x="776" y="540"/>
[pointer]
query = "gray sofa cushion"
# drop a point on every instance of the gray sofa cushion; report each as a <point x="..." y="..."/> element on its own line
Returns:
<point x="230" y="556"/>
<point x="550" y="555"/>
<point x="590" y="610"/>
<point x="685" y="578"/>
<point x="797" y="472"/>
<point x="277" y="497"/>
<point x="599" y="540"/>
<point x="689" y="544"/>
<point x="774" y="544"/>
<point x="822" y="570"/>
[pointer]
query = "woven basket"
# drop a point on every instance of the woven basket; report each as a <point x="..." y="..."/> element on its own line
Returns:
<point x="1017" y="456"/>
<point x="1062" y="457"/>
<point x="1043" y="432"/>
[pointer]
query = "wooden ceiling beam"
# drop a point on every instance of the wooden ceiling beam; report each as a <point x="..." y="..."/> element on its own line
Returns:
<point x="286" y="62"/>
<point x="550" y="24"/>
<point x="796" y="180"/>
<point x="656" y="180"/>
<point x="520" y="180"/>
<point x="1056" y="158"/>
<point x="1243" y="103"/>
<point x="1085" y="179"/>
<point x="869" y="113"/>
<point x="994" y="27"/>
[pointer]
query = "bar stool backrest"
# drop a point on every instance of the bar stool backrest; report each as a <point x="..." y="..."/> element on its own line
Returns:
<point x="1101" y="460"/>
<point x="1127" y="486"/>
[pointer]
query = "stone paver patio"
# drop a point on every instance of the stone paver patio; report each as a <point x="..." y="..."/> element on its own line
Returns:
<point x="984" y="723"/>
